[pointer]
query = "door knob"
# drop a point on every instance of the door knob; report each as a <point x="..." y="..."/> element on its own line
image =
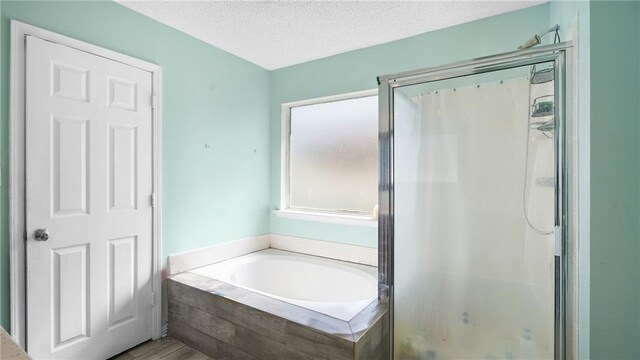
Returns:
<point x="41" y="235"/>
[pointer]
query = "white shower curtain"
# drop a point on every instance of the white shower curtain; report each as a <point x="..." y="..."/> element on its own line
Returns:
<point x="471" y="279"/>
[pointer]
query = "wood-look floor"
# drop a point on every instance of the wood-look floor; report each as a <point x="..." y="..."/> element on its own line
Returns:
<point x="166" y="348"/>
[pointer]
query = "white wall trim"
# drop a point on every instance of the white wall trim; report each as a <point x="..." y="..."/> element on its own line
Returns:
<point x="582" y="190"/>
<point x="213" y="254"/>
<point x="331" y="98"/>
<point x="17" y="185"/>
<point x="156" y="323"/>
<point x="17" y="195"/>
<point x="328" y="218"/>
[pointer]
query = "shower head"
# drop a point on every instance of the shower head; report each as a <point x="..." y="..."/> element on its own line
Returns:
<point x="531" y="42"/>
<point x="537" y="39"/>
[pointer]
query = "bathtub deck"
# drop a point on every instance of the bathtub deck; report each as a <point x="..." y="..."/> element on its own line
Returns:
<point x="227" y="322"/>
<point x="166" y="348"/>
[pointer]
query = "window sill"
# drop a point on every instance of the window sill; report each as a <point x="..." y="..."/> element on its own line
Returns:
<point x="329" y="218"/>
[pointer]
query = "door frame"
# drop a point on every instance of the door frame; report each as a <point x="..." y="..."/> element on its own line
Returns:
<point x="565" y="234"/>
<point x="17" y="193"/>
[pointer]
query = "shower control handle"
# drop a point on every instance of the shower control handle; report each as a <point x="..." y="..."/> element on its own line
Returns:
<point x="41" y="235"/>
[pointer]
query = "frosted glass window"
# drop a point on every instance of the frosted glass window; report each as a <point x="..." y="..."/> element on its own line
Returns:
<point x="333" y="158"/>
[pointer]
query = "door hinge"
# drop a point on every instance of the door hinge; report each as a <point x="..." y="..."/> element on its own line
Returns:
<point x="154" y="100"/>
<point x="153" y="299"/>
<point x="152" y="198"/>
<point x="24" y="235"/>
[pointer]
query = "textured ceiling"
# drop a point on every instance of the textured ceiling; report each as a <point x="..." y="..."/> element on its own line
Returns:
<point x="275" y="34"/>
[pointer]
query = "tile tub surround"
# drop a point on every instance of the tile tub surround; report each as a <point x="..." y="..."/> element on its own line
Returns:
<point x="338" y="251"/>
<point x="227" y="322"/>
<point x="213" y="254"/>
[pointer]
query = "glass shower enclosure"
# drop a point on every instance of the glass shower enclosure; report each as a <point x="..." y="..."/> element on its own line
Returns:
<point x="473" y="204"/>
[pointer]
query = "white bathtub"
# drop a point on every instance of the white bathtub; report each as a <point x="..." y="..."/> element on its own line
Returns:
<point x="336" y="288"/>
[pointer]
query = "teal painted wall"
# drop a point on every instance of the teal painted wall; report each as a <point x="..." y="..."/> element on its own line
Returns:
<point x="357" y="70"/>
<point x="615" y="181"/>
<point x="211" y="195"/>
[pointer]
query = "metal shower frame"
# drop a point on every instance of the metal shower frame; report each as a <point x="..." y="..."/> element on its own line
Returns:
<point x="560" y="54"/>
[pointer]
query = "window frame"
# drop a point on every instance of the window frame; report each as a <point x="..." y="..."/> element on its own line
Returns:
<point x="337" y="216"/>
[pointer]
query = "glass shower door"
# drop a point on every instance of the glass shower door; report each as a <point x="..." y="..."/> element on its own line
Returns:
<point x="474" y="211"/>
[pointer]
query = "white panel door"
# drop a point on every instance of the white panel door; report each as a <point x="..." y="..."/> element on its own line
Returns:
<point x="89" y="181"/>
